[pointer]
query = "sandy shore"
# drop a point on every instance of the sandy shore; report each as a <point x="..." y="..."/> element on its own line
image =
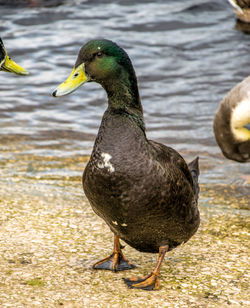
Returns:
<point x="50" y="238"/>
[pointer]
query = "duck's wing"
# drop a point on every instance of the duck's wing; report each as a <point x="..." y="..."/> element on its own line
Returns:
<point x="240" y="4"/>
<point x="168" y="157"/>
<point x="243" y="3"/>
<point x="195" y="172"/>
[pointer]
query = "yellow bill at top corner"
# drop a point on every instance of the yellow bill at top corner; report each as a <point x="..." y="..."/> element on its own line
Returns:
<point x="74" y="81"/>
<point x="10" y="66"/>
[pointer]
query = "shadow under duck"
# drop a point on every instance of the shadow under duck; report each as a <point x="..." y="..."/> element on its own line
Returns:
<point x="7" y="64"/>
<point x="230" y="123"/>
<point x="144" y="190"/>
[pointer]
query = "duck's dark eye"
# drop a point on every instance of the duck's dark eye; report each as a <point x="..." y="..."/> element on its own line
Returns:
<point x="99" y="54"/>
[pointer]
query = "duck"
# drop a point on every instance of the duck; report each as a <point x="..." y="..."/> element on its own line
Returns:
<point x="242" y="9"/>
<point x="7" y="64"/>
<point x="145" y="191"/>
<point x="231" y="121"/>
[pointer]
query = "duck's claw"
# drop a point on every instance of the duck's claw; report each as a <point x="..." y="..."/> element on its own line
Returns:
<point x="150" y="282"/>
<point x="115" y="262"/>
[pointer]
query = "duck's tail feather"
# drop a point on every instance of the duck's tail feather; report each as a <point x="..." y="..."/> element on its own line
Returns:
<point x="195" y="172"/>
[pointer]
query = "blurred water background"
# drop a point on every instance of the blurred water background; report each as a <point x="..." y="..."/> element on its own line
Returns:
<point x="187" y="55"/>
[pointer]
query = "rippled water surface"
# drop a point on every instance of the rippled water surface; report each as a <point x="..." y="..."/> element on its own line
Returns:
<point x="187" y="55"/>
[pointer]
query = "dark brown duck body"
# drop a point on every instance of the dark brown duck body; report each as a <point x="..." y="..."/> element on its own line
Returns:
<point x="144" y="190"/>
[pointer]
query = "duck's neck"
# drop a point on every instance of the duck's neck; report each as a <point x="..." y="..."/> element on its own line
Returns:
<point x="123" y="96"/>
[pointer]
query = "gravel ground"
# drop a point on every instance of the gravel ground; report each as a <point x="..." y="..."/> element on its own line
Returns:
<point x="50" y="237"/>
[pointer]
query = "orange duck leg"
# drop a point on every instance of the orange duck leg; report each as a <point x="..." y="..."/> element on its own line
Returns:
<point x="116" y="261"/>
<point x="150" y="282"/>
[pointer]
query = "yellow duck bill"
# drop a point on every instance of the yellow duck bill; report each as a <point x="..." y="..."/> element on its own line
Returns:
<point x="12" y="67"/>
<point x="74" y="81"/>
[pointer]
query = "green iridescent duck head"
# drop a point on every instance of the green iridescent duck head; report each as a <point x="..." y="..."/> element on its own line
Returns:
<point x="106" y="63"/>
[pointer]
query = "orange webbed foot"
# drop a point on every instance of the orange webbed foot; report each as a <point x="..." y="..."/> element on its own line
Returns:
<point x="115" y="262"/>
<point x="150" y="282"/>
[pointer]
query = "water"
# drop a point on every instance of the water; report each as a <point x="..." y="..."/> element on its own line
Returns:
<point x="187" y="56"/>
